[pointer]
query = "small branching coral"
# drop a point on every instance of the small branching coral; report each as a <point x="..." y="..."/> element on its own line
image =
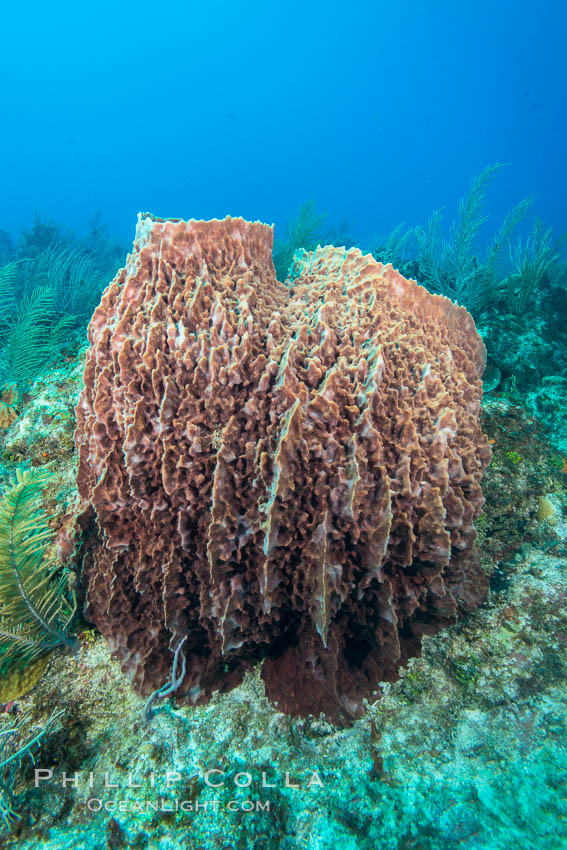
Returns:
<point x="531" y="260"/>
<point x="75" y="277"/>
<point x="31" y="331"/>
<point x="7" y="294"/>
<point x="395" y="247"/>
<point x="35" y="608"/>
<point x="303" y="232"/>
<point x="452" y="266"/>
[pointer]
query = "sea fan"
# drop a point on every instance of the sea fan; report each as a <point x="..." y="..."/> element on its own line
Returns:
<point x="303" y="232"/>
<point x="35" y="605"/>
<point x="7" y="298"/>
<point x="32" y="337"/>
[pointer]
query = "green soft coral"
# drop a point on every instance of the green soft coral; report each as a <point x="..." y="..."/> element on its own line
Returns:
<point x="35" y="605"/>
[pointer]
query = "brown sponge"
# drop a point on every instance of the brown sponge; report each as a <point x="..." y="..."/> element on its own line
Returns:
<point x="281" y="472"/>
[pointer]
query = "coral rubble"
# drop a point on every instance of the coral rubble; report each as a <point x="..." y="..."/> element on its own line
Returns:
<point x="281" y="472"/>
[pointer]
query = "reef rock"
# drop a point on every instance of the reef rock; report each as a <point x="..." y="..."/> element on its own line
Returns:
<point x="282" y="472"/>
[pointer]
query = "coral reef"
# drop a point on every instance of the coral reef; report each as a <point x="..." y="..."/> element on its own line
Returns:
<point x="279" y="472"/>
<point x="547" y="403"/>
<point x="453" y="266"/>
<point x="466" y="749"/>
<point x="303" y="233"/>
<point x="8" y="402"/>
<point x="13" y="749"/>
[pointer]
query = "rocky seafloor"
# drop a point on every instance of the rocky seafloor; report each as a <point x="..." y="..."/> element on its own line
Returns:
<point x="467" y="750"/>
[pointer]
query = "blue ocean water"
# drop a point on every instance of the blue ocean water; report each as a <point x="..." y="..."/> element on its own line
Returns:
<point x="342" y="125"/>
<point x="380" y="111"/>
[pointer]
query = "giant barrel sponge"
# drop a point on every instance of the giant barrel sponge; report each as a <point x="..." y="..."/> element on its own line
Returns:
<point x="287" y="473"/>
